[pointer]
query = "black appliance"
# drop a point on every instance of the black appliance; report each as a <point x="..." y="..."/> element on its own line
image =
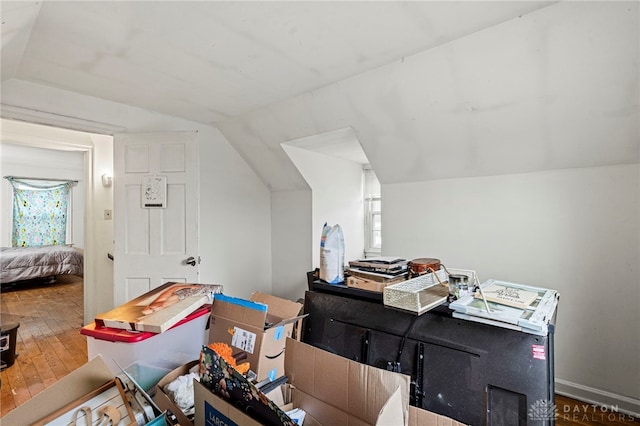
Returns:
<point x="475" y="373"/>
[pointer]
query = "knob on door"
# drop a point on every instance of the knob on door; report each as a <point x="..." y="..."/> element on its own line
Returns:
<point x="190" y="261"/>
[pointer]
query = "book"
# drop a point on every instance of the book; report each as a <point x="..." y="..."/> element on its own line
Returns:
<point x="159" y="309"/>
<point x="508" y="295"/>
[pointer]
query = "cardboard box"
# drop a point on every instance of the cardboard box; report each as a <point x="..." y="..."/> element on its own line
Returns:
<point x="338" y="391"/>
<point x="420" y="417"/>
<point x="385" y="279"/>
<point x="365" y="284"/>
<point x="164" y="401"/>
<point x="259" y="326"/>
<point x="70" y="388"/>
<point x="332" y="390"/>
<point x="214" y="411"/>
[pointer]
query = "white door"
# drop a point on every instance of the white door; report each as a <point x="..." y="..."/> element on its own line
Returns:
<point x="155" y="216"/>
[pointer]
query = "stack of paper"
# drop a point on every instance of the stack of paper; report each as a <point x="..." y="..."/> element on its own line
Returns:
<point x="509" y="305"/>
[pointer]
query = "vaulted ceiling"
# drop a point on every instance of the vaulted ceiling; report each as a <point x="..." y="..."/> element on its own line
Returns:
<point x="422" y="83"/>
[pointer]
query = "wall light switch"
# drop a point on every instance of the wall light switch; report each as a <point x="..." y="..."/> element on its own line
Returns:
<point x="107" y="215"/>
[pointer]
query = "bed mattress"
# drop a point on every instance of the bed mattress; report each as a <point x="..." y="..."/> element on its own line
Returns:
<point x="24" y="263"/>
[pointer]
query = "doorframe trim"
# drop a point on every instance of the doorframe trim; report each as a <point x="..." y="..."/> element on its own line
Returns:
<point x="14" y="112"/>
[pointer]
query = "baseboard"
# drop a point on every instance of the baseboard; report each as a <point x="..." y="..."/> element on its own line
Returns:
<point x="609" y="400"/>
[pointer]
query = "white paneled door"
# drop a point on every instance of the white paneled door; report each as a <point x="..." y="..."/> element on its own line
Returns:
<point x="155" y="211"/>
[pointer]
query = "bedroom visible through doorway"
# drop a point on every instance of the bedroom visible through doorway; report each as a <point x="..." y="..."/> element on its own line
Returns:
<point x="93" y="231"/>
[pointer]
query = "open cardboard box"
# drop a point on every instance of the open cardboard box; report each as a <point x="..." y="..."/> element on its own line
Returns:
<point x="164" y="401"/>
<point x="338" y="391"/>
<point x="65" y="391"/>
<point x="420" y="417"/>
<point x="331" y="389"/>
<point x="259" y="326"/>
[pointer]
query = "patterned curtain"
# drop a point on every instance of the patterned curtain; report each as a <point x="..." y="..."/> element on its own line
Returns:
<point x="39" y="213"/>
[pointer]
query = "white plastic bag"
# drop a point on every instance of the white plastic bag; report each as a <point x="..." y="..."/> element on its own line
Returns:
<point x="332" y="254"/>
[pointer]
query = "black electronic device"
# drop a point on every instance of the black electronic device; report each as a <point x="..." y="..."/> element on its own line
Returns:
<point x="475" y="373"/>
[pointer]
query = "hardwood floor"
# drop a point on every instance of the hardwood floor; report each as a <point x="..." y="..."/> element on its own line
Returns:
<point x="573" y="413"/>
<point x="49" y="346"/>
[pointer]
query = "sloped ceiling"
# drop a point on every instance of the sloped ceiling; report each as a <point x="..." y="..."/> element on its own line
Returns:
<point x="554" y="89"/>
<point x="211" y="60"/>
<point x="426" y="87"/>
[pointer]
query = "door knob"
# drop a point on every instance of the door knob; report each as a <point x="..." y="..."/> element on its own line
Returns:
<point x="190" y="261"/>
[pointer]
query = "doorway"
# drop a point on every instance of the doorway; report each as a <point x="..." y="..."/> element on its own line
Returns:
<point x="98" y="200"/>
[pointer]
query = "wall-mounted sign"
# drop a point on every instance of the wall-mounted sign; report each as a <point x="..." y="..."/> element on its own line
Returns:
<point x="154" y="192"/>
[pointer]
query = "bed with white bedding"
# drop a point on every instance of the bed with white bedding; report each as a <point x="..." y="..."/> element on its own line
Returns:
<point x="26" y="263"/>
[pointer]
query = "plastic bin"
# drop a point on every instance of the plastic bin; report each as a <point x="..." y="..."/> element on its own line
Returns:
<point x="151" y="353"/>
<point x="8" y="336"/>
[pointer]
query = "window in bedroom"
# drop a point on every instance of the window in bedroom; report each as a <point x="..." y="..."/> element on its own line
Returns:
<point x="41" y="212"/>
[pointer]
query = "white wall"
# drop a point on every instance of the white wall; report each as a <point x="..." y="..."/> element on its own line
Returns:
<point x="575" y="230"/>
<point x="336" y="189"/>
<point x="552" y="90"/>
<point x="291" y="245"/>
<point x="26" y="161"/>
<point x="235" y="208"/>
<point x="235" y="219"/>
<point x="98" y="281"/>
